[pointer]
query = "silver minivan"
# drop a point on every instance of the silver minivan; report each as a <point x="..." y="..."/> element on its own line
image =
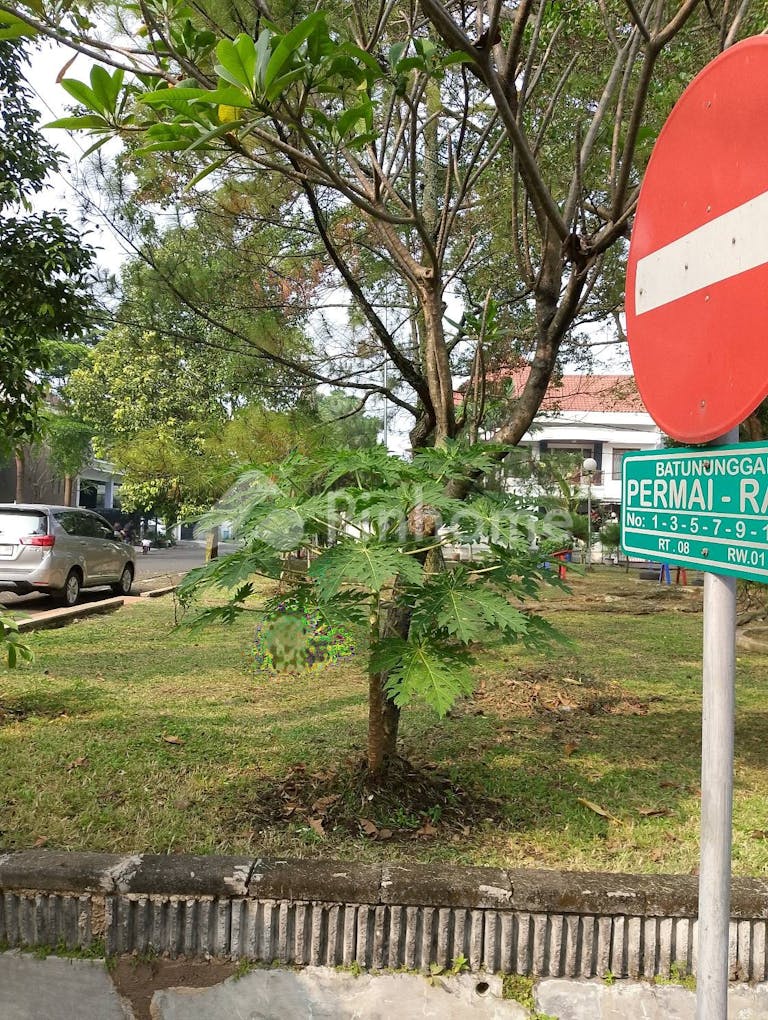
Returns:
<point x="59" y="550"/>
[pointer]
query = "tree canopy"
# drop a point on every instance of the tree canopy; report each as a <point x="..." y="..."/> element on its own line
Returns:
<point x="419" y="149"/>
<point x="44" y="267"/>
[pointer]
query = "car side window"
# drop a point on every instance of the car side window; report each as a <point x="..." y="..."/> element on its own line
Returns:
<point x="86" y="526"/>
<point x="103" y="530"/>
<point x="68" y="521"/>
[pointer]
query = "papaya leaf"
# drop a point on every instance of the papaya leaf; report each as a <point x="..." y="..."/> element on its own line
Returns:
<point x="421" y="669"/>
<point x="230" y="571"/>
<point x="466" y="609"/>
<point x="362" y="565"/>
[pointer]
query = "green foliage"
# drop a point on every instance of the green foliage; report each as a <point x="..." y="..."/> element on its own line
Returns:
<point x="678" y="975"/>
<point x="230" y="287"/>
<point x="161" y="412"/>
<point x="69" y="442"/>
<point x="580" y="528"/>
<point x="454" y="604"/>
<point x="610" y="535"/>
<point x="11" y="642"/>
<point x="520" y="988"/>
<point x="344" y="427"/>
<point x="401" y="171"/>
<point x="389" y="521"/>
<point x="366" y="565"/>
<point x="435" y="672"/>
<point x="131" y="383"/>
<point x="43" y="265"/>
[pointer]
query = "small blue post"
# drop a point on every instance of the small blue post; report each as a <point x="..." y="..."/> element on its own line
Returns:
<point x="664" y="575"/>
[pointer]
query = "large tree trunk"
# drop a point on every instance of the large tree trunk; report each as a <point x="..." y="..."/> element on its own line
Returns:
<point x="212" y="545"/>
<point x="67" y="490"/>
<point x="19" y="477"/>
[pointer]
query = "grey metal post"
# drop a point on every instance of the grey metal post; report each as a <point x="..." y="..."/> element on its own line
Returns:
<point x="717" y="730"/>
<point x="588" y="467"/>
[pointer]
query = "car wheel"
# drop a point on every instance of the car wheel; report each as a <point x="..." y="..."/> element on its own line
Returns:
<point x="70" y="593"/>
<point x="123" y="586"/>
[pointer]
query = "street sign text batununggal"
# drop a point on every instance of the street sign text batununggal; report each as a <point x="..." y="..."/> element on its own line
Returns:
<point x="699" y="508"/>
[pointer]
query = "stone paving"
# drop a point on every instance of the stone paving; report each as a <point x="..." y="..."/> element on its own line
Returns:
<point x="62" y="989"/>
<point x="324" y="994"/>
<point x="629" y="1000"/>
<point x="57" y="989"/>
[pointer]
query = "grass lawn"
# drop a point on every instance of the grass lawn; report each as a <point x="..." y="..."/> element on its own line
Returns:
<point x="126" y="735"/>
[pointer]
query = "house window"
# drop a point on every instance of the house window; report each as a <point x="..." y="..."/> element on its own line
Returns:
<point x="571" y="448"/>
<point x="618" y="457"/>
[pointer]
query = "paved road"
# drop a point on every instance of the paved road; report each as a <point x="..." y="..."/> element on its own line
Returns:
<point x="155" y="570"/>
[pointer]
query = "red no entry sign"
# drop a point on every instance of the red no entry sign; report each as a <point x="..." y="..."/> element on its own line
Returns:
<point x="697" y="279"/>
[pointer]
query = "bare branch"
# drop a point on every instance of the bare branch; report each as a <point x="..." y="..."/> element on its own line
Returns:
<point x="546" y="120"/>
<point x="98" y="51"/>
<point x="529" y="169"/>
<point x="583" y="155"/>
<point x="733" y="31"/>
<point x="639" y="20"/>
<point x="661" y="38"/>
<point x="522" y="14"/>
<point x="406" y="367"/>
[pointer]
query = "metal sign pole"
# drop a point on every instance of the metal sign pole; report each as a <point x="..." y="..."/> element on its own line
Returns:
<point x="717" y="738"/>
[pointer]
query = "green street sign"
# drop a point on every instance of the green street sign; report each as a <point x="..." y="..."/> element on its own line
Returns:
<point x="705" y="508"/>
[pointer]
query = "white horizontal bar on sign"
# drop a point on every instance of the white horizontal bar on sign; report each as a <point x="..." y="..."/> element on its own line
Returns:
<point x="726" y="246"/>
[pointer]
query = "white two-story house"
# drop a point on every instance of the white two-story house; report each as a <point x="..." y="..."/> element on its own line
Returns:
<point x="597" y="416"/>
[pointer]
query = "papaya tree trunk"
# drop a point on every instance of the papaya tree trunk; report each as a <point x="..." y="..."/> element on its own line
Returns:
<point x="67" y="490"/>
<point x="383" y="722"/>
<point x="387" y="620"/>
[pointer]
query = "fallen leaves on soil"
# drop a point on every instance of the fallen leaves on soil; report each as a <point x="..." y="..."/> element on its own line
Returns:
<point x="410" y="802"/>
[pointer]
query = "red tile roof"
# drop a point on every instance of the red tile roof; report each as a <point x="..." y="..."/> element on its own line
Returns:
<point x="578" y="392"/>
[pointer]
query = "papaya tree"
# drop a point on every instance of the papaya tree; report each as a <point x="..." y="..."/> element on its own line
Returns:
<point x="388" y="521"/>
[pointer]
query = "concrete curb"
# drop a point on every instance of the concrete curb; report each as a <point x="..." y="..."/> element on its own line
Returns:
<point x="157" y="592"/>
<point x="542" y="923"/>
<point x="61" y="617"/>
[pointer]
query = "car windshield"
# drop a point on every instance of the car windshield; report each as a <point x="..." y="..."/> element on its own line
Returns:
<point x="16" y="524"/>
